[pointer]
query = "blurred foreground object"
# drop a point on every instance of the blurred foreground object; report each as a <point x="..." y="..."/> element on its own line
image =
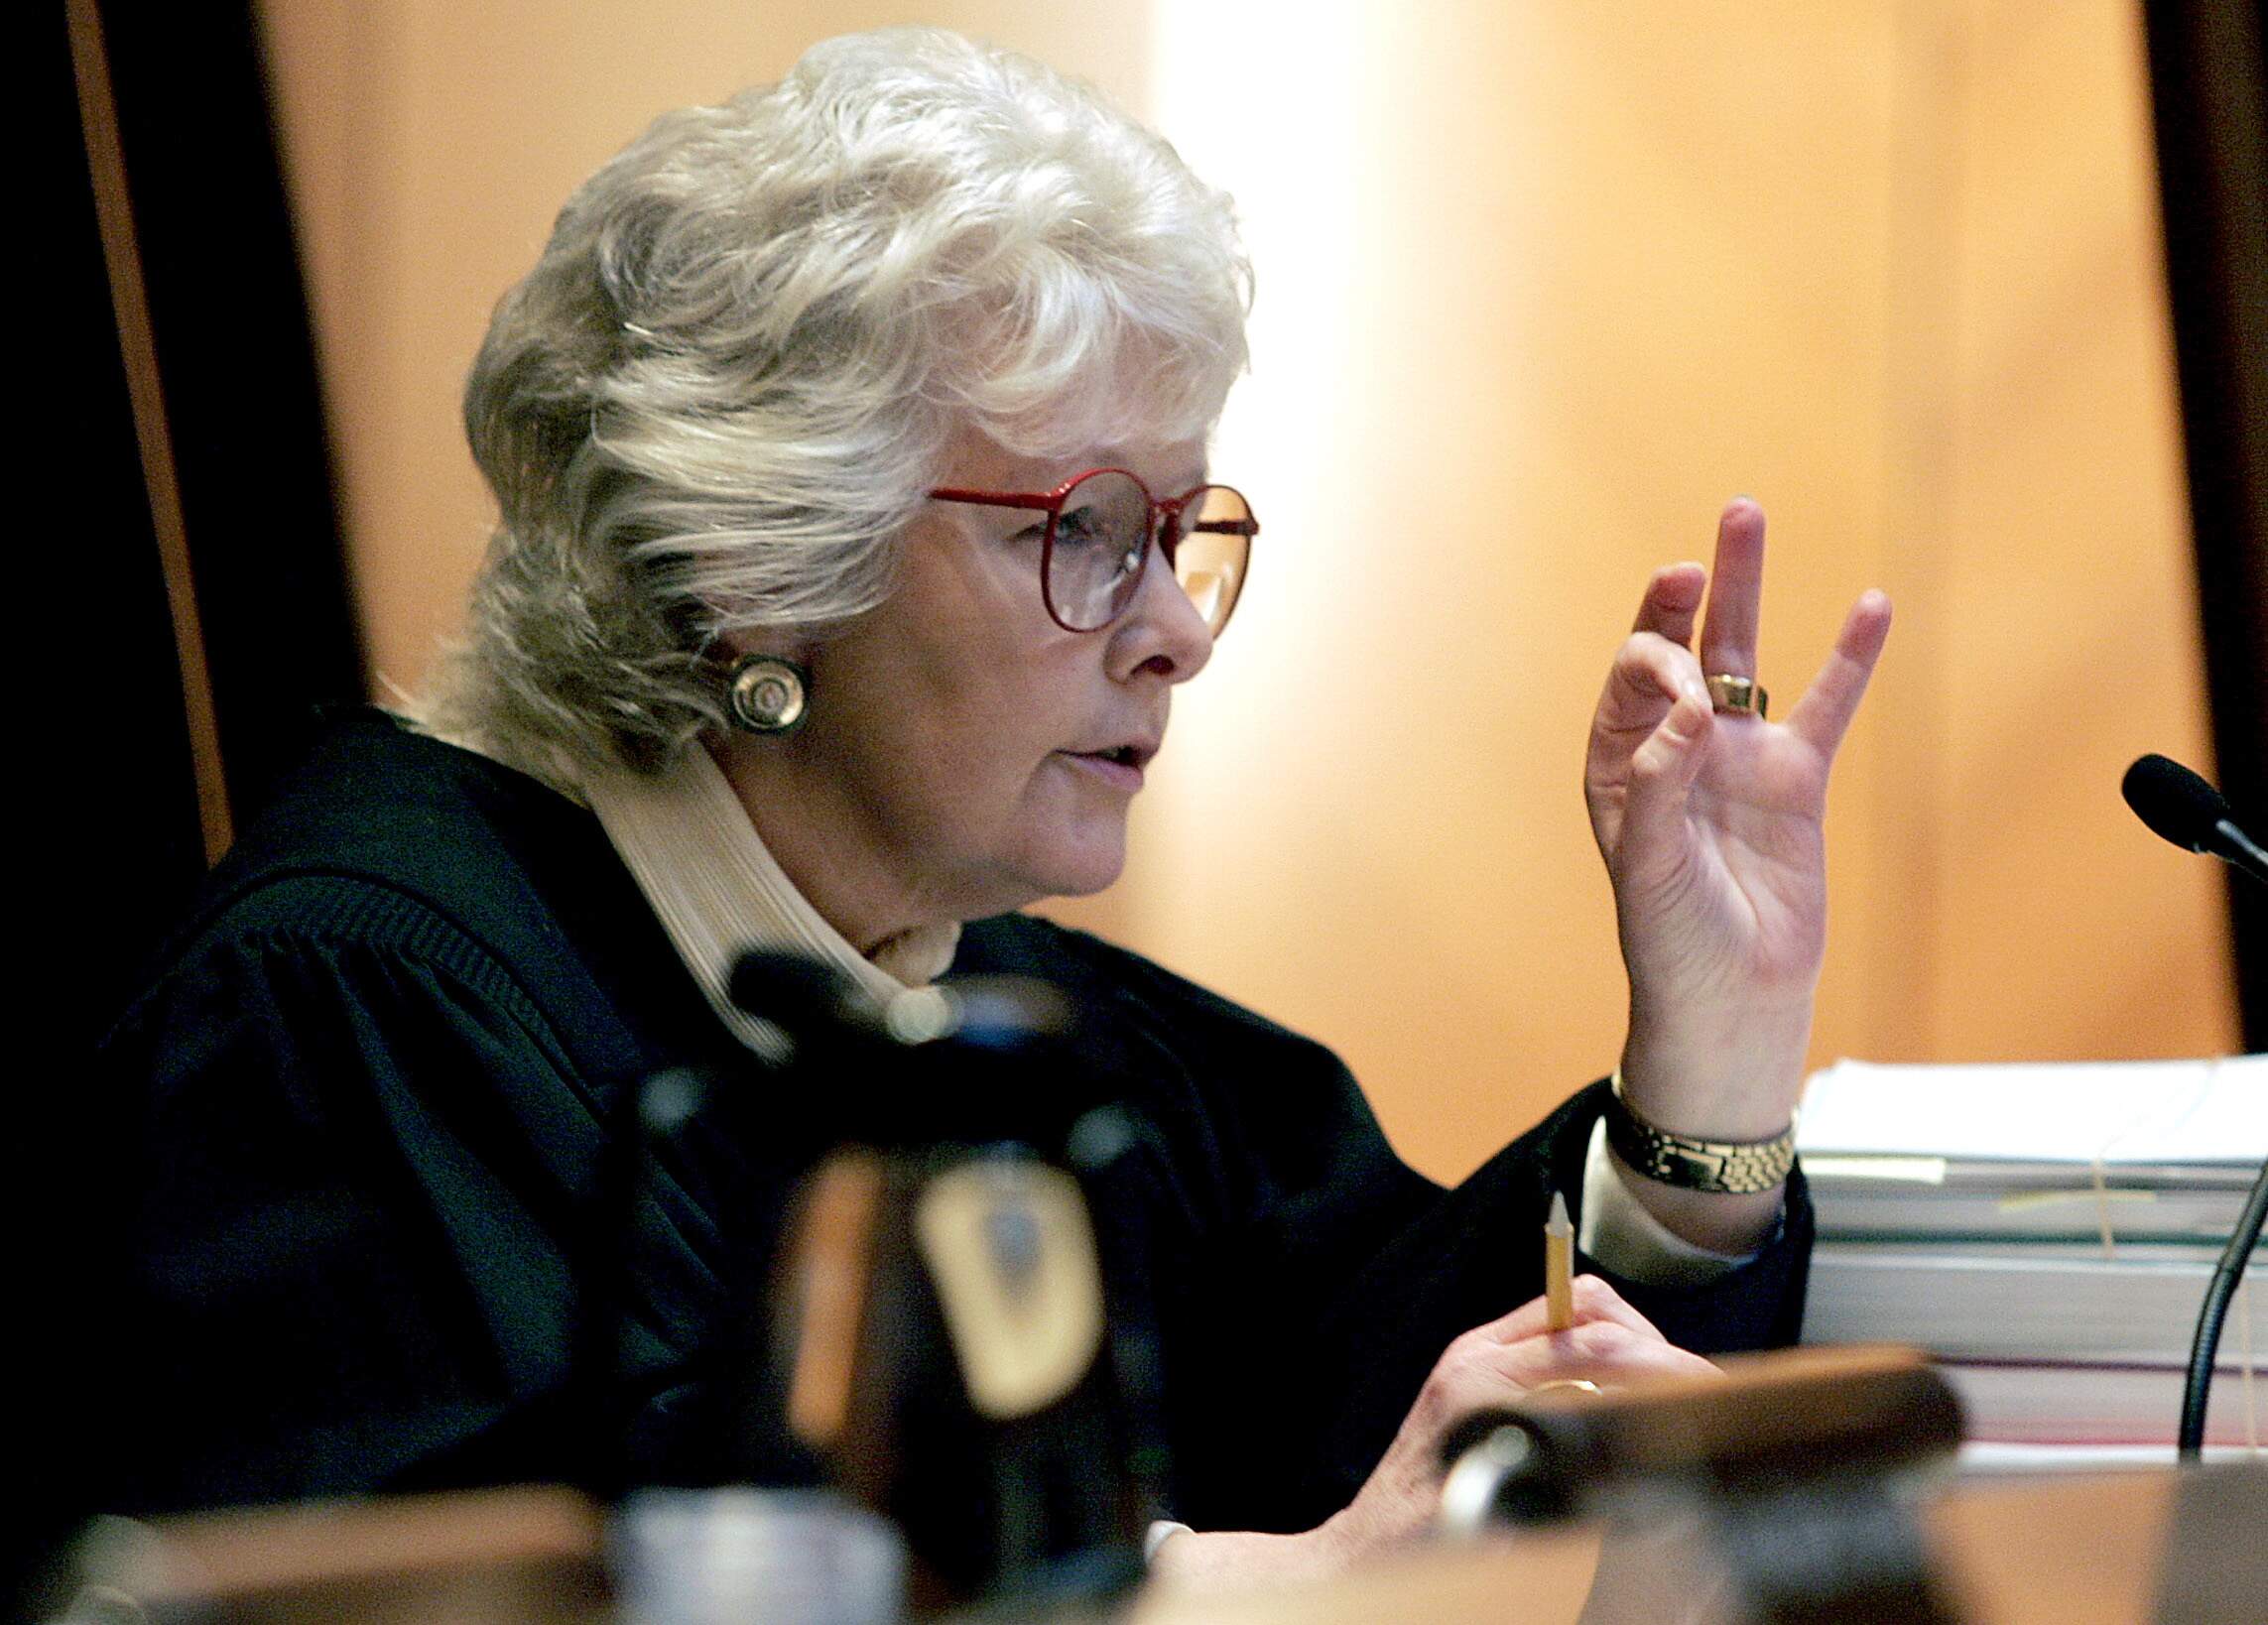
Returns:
<point x="2181" y="1548"/>
<point x="465" y="1559"/>
<point x="926" y="1335"/>
<point x="1792" y="1479"/>
<point x="2175" y="1548"/>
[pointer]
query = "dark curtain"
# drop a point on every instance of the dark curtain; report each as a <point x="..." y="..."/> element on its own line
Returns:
<point x="2209" y="97"/>
<point x="115" y="848"/>
<point x="234" y="364"/>
<point x="228" y="311"/>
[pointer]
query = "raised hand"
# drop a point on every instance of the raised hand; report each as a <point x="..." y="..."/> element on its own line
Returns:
<point x="1711" y="828"/>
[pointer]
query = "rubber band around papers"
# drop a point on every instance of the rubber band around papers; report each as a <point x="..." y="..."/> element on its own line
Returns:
<point x="2102" y="1205"/>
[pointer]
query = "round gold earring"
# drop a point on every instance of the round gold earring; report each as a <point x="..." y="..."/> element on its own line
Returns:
<point x="766" y="693"/>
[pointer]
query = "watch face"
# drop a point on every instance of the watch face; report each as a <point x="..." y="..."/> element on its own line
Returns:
<point x="1690" y="1166"/>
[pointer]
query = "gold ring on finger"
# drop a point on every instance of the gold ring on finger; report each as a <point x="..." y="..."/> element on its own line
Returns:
<point x="1743" y="697"/>
<point x="1566" y="1385"/>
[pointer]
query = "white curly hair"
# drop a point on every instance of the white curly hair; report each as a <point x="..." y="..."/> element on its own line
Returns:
<point x="729" y="381"/>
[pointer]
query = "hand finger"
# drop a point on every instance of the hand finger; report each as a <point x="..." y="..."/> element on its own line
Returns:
<point x="1600" y="1352"/>
<point x="1603" y="1352"/>
<point x="1824" y="713"/>
<point x="1494" y="1362"/>
<point x="1650" y="673"/>
<point x="1594" y="1300"/>
<point x="1672" y="600"/>
<point x="1735" y="592"/>
<point x="1660" y="777"/>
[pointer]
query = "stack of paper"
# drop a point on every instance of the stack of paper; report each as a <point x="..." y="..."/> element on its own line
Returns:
<point x="2047" y="1231"/>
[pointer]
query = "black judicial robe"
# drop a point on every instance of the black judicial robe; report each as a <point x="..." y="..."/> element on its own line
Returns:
<point x="362" y="1112"/>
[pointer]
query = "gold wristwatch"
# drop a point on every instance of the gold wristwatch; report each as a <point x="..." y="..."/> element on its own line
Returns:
<point x="1732" y="1168"/>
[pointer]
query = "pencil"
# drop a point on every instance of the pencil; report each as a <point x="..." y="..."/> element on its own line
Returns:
<point x="1559" y="1265"/>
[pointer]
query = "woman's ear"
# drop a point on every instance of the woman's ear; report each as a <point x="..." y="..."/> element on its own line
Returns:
<point x="730" y="645"/>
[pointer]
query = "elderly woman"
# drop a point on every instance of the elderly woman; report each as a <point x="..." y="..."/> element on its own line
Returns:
<point x="849" y="439"/>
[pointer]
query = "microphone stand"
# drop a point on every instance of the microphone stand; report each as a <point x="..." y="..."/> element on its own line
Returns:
<point x="2244" y="854"/>
<point x="2204" y="1348"/>
<point x="2180" y="807"/>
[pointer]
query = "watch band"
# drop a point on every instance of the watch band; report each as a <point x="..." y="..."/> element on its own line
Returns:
<point x="1732" y="1168"/>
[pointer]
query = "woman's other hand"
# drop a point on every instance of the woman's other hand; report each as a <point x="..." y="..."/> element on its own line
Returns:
<point x="1711" y="828"/>
<point x="1496" y="1364"/>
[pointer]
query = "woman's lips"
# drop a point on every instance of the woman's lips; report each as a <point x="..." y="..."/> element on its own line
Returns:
<point x="1107" y="766"/>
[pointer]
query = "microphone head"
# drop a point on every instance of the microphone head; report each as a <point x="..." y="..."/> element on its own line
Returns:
<point x="808" y="1000"/>
<point x="2175" y="803"/>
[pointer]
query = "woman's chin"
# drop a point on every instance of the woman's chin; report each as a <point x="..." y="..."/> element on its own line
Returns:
<point x="1081" y="865"/>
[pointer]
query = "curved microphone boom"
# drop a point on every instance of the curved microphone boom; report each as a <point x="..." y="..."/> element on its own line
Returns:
<point x="2181" y="806"/>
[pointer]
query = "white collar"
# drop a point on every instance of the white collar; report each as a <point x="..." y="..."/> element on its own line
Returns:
<point x="691" y="846"/>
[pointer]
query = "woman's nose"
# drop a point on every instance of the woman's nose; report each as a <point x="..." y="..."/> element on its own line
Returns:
<point x="1162" y="629"/>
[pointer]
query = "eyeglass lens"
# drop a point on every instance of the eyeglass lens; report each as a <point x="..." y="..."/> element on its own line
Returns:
<point x="1103" y="534"/>
<point x="1216" y="540"/>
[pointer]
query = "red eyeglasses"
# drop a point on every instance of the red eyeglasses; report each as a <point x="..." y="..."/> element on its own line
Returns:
<point x="1096" y="544"/>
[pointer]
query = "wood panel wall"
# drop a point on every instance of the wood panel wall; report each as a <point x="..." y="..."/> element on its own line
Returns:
<point x="1540" y="286"/>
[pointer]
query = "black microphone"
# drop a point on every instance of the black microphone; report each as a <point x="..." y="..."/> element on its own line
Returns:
<point x="974" y="1061"/>
<point x="2181" y="808"/>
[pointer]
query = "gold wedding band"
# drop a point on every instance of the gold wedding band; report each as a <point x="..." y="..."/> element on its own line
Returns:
<point x="1742" y="696"/>
<point x="1566" y="1385"/>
